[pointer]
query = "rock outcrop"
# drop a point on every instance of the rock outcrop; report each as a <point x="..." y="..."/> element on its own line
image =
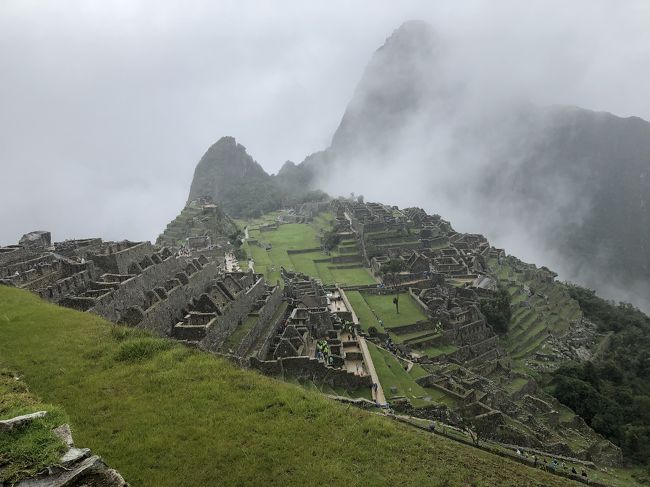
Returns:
<point x="77" y="467"/>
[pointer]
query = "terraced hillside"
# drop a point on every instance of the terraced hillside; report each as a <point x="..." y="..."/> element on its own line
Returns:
<point x="163" y="414"/>
<point x="542" y="309"/>
<point x="198" y="220"/>
<point x="297" y="246"/>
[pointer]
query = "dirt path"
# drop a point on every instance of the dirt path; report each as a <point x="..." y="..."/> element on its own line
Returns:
<point x="377" y="395"/>
<point x="232" y="265"/>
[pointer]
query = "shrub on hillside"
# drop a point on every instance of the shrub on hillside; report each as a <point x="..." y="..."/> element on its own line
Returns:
<point x="142" y="349"/>
<point x="611" y="393"/>
<point x="497" y="311"/>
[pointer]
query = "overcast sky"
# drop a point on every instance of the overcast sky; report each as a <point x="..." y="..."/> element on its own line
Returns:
<point x="106" y="107"/>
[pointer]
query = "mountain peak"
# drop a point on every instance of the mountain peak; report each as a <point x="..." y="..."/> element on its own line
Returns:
<point x="414" y="30"/>
<point x="401" y="73"/>
<point x="228" y="143"/>
<point x="225" y="166"/>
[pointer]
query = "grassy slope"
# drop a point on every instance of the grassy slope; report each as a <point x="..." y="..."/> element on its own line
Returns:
<point x="392" y="374"/>
<point x="530" y="327"/>
<point x="27" y="450"/>
<point x="167" y="415"/>
<point x="364" y="313"/>
<point x="384" y="308"/>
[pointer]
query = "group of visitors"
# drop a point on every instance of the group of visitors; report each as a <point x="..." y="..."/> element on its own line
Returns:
<point x="283" y="326"/>
<point x="348" y="327"/>
<point x="390" y="346"/>
<point x="323" y="352"/>
<point x="552" y="465"/>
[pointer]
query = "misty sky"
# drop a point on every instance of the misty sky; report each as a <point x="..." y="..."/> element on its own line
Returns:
<point x="106" y="107"/>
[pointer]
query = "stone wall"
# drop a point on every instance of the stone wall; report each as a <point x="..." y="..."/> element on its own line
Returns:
<point x="132" y="291"/>
<point x="14" y="253"/>
<point x="72" y="285"/>
<point x="236" y="311"/>
<point x="264" y="321"/>
<point x="412" y="328"/>
<point x="162" y="315"/>
<point x="425" y="309"/>
<point x="120" y="261"/>
<point x="306" y="368"/>
<point x="10" y="269"/>
<point x="346" y="259"/>
<point x="303" y="251"/>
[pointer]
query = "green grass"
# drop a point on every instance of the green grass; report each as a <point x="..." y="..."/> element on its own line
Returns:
<point x="391" y="373"/>
<point x="301" y="236"/>
<point x="529" y="327"/>
<point x="362" y="310"/>
<point x="414" y="336"/>
<point x="383" y="307"/>
<point x="357" y="276"/>
<point x="27" y="450"/>
<point x="433" y="352"/>
<point x="174" y="416"/>
<point x="516" y="384"/>
<point x="371" y="308"/>
<point x="418" y="371"/>
<point x="335" y="391"/>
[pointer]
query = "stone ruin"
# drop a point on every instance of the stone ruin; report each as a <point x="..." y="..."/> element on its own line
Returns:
<point x="310" y="320"/>
<point x="446" y="273"/>
<point x="201" y="228"/>
<point x="185" y="295"/>
<point x="185" y="292"/>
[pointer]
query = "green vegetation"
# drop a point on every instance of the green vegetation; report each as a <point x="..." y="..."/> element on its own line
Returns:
<point x="331" y="240"/>
<point x="334" y="391"/>
<point x="544" y="309"/>
<point x="497" y="310"/>
<point x="177" y="416"/>
<point x="269" y="249"/>
<point x="371" y="308"/>
<point x="433" y="352"/>
<point x="27" y="450"/>
<point x="392" y="266"/>
<point x="383" y="307"/>
<point x="365" y="315"/>
<point x="392" y="374"/>
<point x="611" y="393"/>
<point x="241" y="331"/>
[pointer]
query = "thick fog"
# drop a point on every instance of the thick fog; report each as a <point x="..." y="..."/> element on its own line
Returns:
<point x="106" y="107"/>
<point x="454" y="128"/>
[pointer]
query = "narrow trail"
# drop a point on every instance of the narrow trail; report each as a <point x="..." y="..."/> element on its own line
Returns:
<point x="377" y="395"/>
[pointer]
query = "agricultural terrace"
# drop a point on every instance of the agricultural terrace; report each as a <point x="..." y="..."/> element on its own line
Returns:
<point x="297" y="246"/>
<point x="397" y="378"/>
<point x="370" y="308"/>
<point x="548" y="311"/>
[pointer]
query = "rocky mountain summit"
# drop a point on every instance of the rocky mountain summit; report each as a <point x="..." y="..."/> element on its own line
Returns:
<point x="229" y="176"/>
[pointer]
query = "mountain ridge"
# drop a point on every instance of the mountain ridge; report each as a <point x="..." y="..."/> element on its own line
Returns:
<point x="582" y="176"/>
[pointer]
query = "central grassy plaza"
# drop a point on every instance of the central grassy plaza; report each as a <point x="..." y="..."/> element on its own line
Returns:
<point x="297" y="246"/>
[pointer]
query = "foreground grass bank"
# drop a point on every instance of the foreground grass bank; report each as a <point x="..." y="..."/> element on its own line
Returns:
<point x="163" y="414"/>
<point x="29" y="449"/>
